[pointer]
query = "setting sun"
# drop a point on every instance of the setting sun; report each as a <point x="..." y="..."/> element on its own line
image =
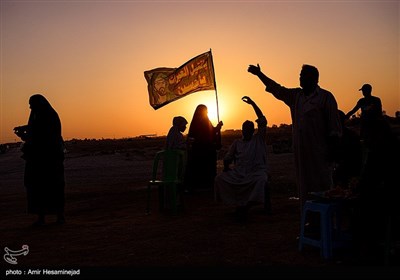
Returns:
<point x="212" y="113"/>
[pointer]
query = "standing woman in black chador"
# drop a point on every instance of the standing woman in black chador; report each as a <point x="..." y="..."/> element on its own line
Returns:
<point x="43" y="152"/>
<point x="204" y="141"/>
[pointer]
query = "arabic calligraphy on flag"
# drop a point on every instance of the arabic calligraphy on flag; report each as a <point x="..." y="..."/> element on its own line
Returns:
<point x="169" y="84"/>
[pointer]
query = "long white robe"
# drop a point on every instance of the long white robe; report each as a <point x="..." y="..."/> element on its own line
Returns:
<point x="315" y="118"/>
<point x="246" y="181"/>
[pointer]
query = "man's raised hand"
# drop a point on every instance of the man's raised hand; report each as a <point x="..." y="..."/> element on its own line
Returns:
<point x="247" y="99"/>
<point x="255" y="70"/>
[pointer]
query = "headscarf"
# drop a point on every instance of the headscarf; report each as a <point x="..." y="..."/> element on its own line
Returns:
<point x="44" y="126"/>
<point x="201" y="128"/>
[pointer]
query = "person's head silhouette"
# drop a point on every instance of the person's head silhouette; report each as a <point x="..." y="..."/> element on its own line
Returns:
<point x="309" y="76"/>
<point x="39" y="103"/>
<point x="247" y="130"/>
<point x="201" y="112"/>
<point x="366" y="90"/>
<point x="180" y="122"/>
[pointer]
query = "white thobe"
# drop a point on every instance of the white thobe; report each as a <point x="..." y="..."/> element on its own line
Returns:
<point x="315" y="118"/>
<point x="246" y="181"/>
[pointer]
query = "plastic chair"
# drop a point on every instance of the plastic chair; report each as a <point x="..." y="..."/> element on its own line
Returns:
<point x="331" y="235"/>
<point x="169" y="179"/>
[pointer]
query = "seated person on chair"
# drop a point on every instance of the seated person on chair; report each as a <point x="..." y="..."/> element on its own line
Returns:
<point x="245" y="184"/>
<point x="175" y="139"/>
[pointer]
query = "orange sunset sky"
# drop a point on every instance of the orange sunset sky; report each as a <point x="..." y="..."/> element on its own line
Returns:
<point x="88" y="58"/>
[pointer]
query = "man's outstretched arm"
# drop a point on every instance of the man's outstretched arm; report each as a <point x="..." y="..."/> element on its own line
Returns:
<point x="352" y="111"/>
<point x="261" y="120"/>
<point x="256" y="70"/>
<point x="255" y="107"/>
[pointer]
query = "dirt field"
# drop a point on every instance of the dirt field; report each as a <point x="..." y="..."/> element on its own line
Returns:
<point x="109" y="235"/>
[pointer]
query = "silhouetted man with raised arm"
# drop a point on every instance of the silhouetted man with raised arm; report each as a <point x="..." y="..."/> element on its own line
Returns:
<point x="371" y="111"/>
<point x="316" y="128"/>
<point x="245" y="184"/>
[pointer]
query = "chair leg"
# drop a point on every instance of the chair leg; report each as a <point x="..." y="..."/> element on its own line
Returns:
<point x="162" y="196"/>
<point x="167" y="197"/>
<point x="148" y="199"/>
<point x="326" y="234"/>
<point x="302" y="229"/>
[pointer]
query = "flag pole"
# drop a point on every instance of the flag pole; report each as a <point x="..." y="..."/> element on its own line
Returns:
<point x="219" y="142"/>
<point x="215" y="85"/>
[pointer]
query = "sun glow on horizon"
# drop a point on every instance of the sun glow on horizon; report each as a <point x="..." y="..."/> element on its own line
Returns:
<point x="212" y="114"/>
<point x="88" y="59"/>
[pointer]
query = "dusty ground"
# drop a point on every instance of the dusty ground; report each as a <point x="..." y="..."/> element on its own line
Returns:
<point x="108" y="233"/>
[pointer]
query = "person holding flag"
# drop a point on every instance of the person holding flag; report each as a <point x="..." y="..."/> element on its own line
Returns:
<point x="203" y="142"/>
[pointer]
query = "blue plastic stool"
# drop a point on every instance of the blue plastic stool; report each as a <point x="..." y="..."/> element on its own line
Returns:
<point x="329" y="225"/>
